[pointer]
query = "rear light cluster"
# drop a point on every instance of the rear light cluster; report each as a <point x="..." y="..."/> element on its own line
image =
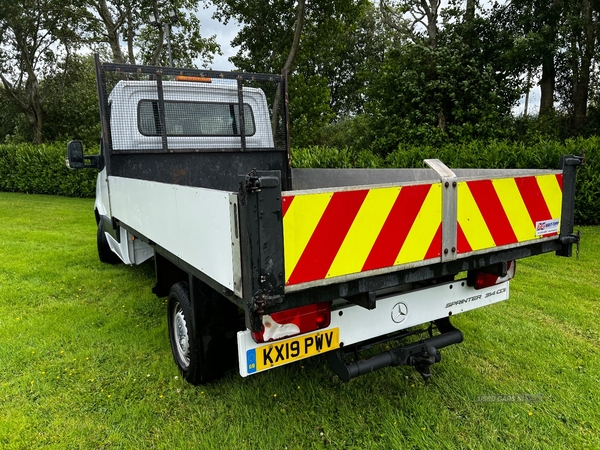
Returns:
<point x="294" y="321"/>
<point x="481" y="280"/>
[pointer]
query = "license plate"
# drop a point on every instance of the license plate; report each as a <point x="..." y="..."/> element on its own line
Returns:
<point x="277" y="353"/>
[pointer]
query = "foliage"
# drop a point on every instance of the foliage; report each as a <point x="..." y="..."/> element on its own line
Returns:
<point x="41" y="169"/>
<point x="340" y="46"/>
<point x="71" y="102"/>
<point x="353" y="132"/>
<point x="123" y="29"/>
<point x="187" y="43"/>
<point x="42" y="73"/>
<point x="454" y="91"/>
<point x="343" y="43"/>
<point x="13" y="124"/>
<point x="309" y="108"/>
<point x="396" y="71"/>
<point x="34" y="35"/>
<point x="85" y="362"/>
<point x="331" y="158"/>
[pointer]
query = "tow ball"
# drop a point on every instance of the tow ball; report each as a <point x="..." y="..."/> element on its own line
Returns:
<point x="421" y="355"/>
<point x="423" y="362"/>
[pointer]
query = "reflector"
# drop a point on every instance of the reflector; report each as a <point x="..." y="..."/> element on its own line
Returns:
<point x="294" y="321"/>
<point x="483" y="280"/>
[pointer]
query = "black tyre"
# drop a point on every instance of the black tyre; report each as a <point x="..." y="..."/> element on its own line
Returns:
<point x="204" y="345"/>
<point x="105" y="254"/>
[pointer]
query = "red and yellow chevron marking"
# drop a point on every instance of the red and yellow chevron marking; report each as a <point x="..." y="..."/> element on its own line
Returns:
<point x="340" y="233"/>
<point x="505" y="211"/>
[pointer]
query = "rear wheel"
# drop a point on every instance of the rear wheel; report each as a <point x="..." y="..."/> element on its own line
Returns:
<point x="203" y="339"/>
<point x="105" y="254"/>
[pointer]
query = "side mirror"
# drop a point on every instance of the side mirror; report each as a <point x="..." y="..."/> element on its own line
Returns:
<point x="76" y="158"/>
<point x="75" y="155"/>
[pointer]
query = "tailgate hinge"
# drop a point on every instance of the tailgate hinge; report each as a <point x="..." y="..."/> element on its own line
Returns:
<point x="574" y="238"/>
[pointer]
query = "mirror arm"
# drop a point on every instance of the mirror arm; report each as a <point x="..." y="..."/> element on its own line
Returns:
<point x="96" y="162"/>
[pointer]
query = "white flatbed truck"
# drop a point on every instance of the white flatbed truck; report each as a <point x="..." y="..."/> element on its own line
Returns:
<point x="264" y="265"/>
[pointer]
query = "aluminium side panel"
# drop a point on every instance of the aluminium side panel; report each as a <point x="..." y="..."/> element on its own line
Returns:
<point x="339" y="234"/>
<point x="194" y="224"/>
<point x="510" y="211"/>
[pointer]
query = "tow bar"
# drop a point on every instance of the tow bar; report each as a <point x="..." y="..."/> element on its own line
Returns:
<point x="421" y="355"/>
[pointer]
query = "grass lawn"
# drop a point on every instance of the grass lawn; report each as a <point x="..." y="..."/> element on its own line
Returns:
<point x="85" y="361"/>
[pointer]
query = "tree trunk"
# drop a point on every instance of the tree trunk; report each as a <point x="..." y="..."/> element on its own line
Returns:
<point x="526" y="109"/>
<point x="30" y="103"/>
<point x="441" y="121"/>
<point x="547" y="84"/>
<point x="550" y="32"/>
<point x="300" y="15"/>
<point x="112" y="31"/>
<point x="470" y="11"/>
<point x="289" y="63"/>
<point x="582" y="84"/>
<point x="130" y="37"/>
<point x="161" y="39"/>
<point x="431" y="8"/>
<point x="36" y="111"/>
<point x="159" y="47"/>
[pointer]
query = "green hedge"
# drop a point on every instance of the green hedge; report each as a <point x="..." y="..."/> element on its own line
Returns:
<point x="494" y="155"/>
<point x="40" y="169"/>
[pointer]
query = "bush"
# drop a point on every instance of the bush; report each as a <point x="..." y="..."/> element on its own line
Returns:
<point x="40" y="169"/>
<point x="332" y="158"/>
<point x="478" y="154"/>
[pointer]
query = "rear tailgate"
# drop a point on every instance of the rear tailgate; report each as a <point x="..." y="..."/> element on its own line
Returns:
<point x="338" y="234"/>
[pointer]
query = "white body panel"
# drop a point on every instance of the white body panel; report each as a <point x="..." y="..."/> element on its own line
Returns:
<point x="102" y="205"/>
<point x="128" y="250"/>
<point x="192" y="223"/>
<point x="357" y="324"/>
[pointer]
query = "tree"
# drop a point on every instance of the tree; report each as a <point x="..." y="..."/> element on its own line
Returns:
<point x="456" y="87"/>
<point x="417" y="21"/>
<point x="112" y="22"/>
<point x="187" y="43"/>
<point x="71" y="101"/>
<point x="14" y="126"/>
<point x="423" y="15"/>
<point x="559" y="39"/>
<point x="582" y="21"/>
<point x="345" y="46"/>
<point x="312" y="38"/>
<point x="269" y="32"/>
<point x="34" y="36"/>
<point x="536" y="26"/>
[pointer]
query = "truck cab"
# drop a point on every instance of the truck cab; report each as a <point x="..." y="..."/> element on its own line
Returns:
<point x="199" y="112"/>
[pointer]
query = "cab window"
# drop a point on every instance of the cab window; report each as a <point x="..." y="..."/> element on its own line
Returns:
<point x="194" y="119"/>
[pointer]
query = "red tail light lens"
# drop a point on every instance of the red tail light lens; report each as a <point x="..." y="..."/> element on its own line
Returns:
<point x="294" y="321"/>
<point x="484" y="280"/>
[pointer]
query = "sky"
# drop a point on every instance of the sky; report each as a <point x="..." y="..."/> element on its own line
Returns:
<point x="224" y="35"/>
